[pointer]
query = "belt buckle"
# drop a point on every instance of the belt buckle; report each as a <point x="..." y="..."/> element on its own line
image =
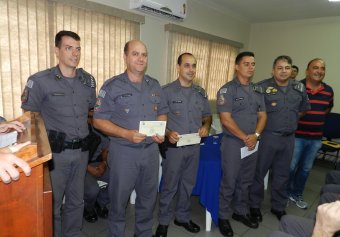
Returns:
<point x="76" y="144"/>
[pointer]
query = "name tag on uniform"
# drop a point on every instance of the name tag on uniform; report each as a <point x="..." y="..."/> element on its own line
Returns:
<point x="58" y="94"/>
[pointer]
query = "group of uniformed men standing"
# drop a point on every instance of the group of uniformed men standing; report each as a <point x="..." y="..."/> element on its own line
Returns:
<point x="269" y="110"/>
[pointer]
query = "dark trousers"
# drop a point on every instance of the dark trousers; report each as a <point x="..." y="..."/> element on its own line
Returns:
<point x="275" y="153"/>
<point x="297" y="226"/>
<point x="67" y="180"/>
<point x="93" y="193"/>
<point x="132" y="168"/>
<point x="237" y="177"/>
<point x="179" y="171"/>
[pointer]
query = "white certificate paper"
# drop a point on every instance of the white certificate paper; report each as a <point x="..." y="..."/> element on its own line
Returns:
<point x="245" y="152"/>
<point x="150" y="128"/>
<point x="7" y="139"/>
<point x="188" y="139"/>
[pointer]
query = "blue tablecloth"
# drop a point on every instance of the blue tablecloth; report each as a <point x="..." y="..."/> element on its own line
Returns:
<point x="209" y="175"/>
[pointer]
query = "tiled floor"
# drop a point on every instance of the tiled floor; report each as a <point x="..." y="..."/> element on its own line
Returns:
<point x="311" y="195"/>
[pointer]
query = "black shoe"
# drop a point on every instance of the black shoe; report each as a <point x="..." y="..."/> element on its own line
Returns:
<point x="162" y="231"/>
<point x="102" y="212"/>
<point x="189" y="226"/>
<point x="256" y="214"/>
<point x="277" y="213"/>
<point x="90" y="215"/>
<point x="225" y="227"/>
<point x="246" y="220"/>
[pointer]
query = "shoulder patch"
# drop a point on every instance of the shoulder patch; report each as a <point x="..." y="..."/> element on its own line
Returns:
<point x="98" y="104"/>
<point x="102" y="93"/>
<point x="30" y="83"/>
<point x="220" y="100"/>
<point x="299" y="87"/>
<point x="24" y="95"/>
<point x="223" y="90"/>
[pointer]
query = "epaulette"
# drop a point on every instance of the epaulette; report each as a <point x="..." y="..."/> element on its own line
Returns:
<point x="200" y="90"/>
<point x="298" y="86"/>
<point x="43" y="73"/>
<point x="87" y="79"/>
<point x="149" y="79"/>
<point x="165" y="86"/>
<point x="265" y="81"/>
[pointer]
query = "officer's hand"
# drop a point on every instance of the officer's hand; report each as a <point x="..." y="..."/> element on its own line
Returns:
<point x="173" y="137"/>
<point x="203" y="131"/>
<point x="96" y="171"/>
<point x="135" y="137"/>
<point x="15" y="125"/>
<point x="158" y="139"/>
<point x="92" y="170"/>
<point x="101" y="168"/>
<point x="251" y="141"/>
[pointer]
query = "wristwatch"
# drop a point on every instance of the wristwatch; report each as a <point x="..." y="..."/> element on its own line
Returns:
<point x="258" y="135"/>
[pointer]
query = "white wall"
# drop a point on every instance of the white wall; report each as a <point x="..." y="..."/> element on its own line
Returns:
<point x="303" y="40"/>
<point x="199" y="18"/>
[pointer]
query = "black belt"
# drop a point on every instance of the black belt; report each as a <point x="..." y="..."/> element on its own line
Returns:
<point x="283" y="134"/>
<point x="74" y="144"/>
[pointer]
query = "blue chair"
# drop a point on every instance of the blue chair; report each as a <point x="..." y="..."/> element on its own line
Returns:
<point x="331" y="131"/>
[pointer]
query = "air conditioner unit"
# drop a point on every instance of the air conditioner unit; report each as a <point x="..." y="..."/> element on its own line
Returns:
<point x="174" y="9"/>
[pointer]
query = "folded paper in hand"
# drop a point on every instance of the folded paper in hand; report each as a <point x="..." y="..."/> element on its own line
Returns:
<point x="188" y="139"/>
<point x="151" y="128"/>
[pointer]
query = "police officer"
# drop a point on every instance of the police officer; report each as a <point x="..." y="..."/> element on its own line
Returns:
<point x="286" y="100"/>
<point x="189" y="113"/>
<point x="123" y="102"/>
<point x="63" y="95"/>
<point x="242" y="112"/>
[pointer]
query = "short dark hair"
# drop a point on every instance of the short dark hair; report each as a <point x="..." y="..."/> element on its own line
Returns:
<point x="314" y="59"/>
<point x="296" y="67"/>
<point x="243" y="54"/>
<point x="61" y="34"/>
<point x="283" y="58"/>
<point x="180" y="57"/>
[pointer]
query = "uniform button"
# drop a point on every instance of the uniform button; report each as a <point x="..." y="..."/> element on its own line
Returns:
<point x="143" y="104"/>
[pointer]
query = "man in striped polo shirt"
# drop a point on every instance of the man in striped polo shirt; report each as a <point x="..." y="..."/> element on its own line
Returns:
<point x="310" y="127"/>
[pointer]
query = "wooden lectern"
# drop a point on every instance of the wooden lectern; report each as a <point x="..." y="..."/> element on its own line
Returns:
<point x="26" y="204"/>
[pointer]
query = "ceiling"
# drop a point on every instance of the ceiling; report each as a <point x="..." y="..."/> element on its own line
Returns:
<point x="256" y="11"/>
